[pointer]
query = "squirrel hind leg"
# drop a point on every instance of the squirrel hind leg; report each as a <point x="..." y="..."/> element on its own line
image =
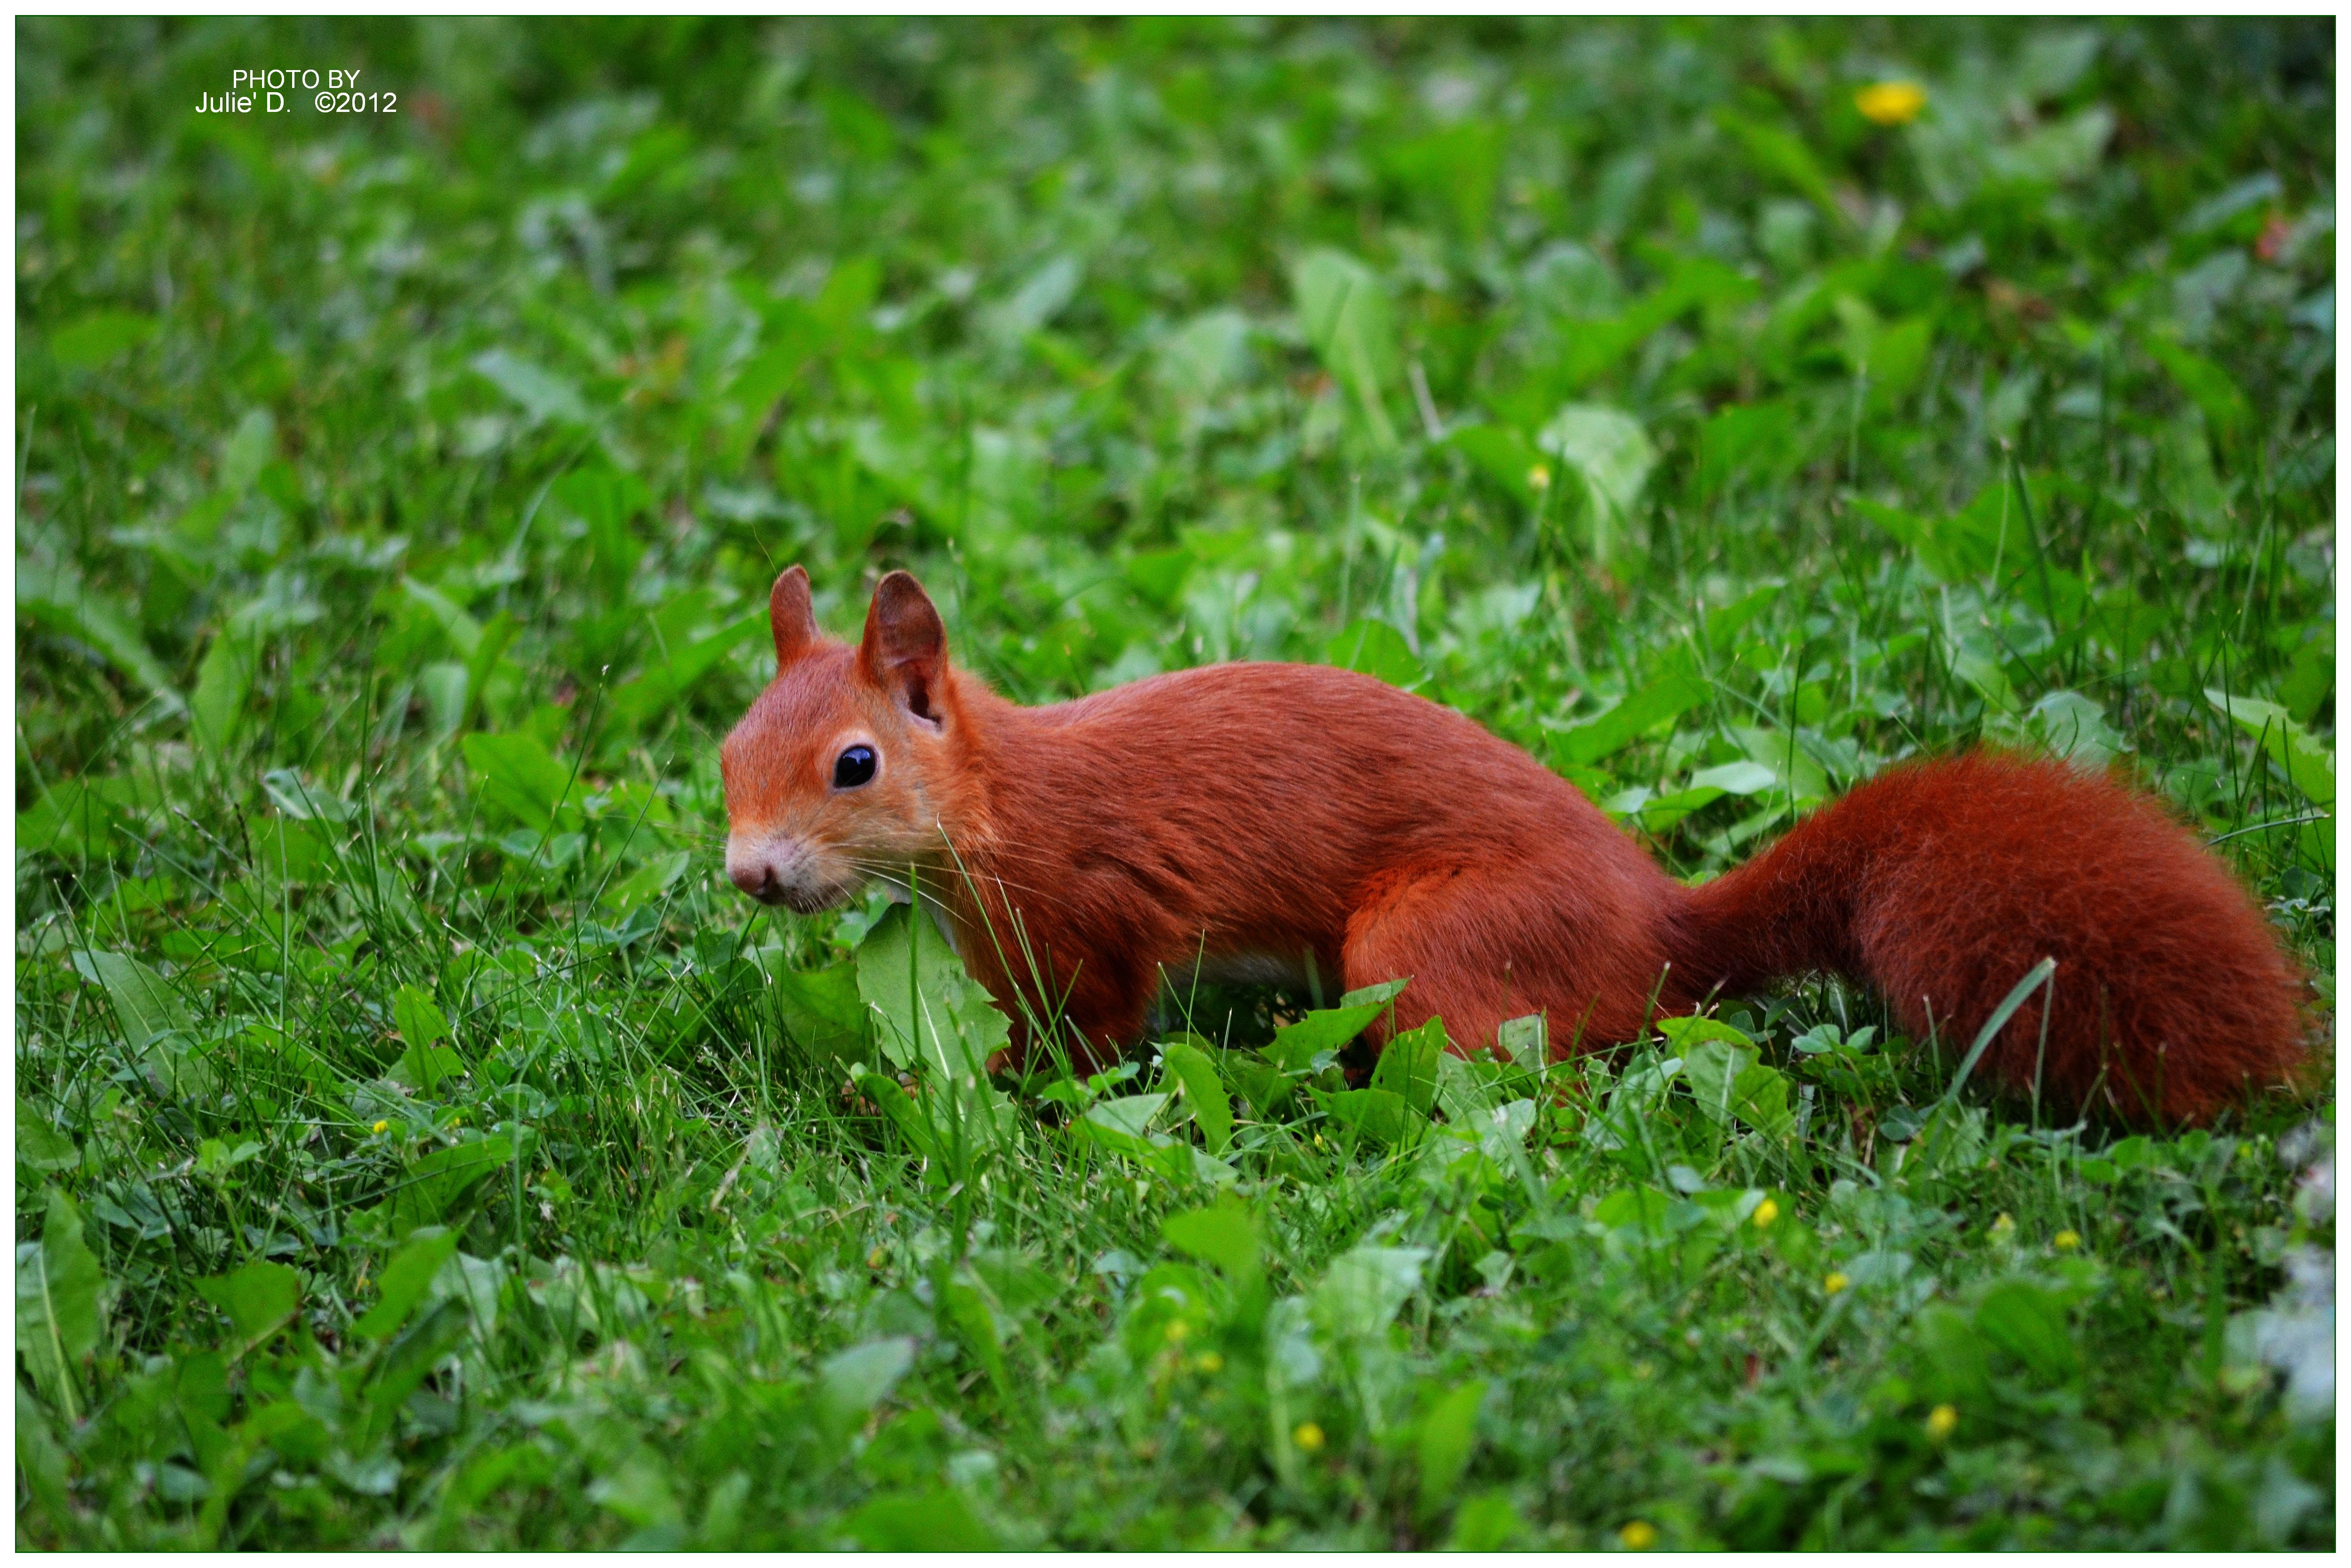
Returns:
<point x="1483" y="944"/>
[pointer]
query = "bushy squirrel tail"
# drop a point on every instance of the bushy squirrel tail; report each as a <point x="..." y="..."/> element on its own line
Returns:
<point x="1943" y="884"/>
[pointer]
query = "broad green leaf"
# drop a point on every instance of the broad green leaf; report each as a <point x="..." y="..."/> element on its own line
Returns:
<point x="224" y="681"/>
<point x="638" y="1491"/>
<point x="418" y="1018"/>
<point x="521" y="781"/>
<point x="895" y="1103"/>
<point x="964" y="1311"/>
<point x="648" y="882"/>
<point x="1446" y="1435"/>
<point x="73" y="819"/>
<point x="406" y="1363"/>
<point x="248" y="450"/>
<point x="1204" y="356"/>
<point x="2028" y="1321"/>
<point x="2074" y="726"/>
<point x="427" y="1190"/>
<point x="1502" y="1130"/>
<point x="1014" y="1282"/>
<point x="1711" y="1068"/>
<point x="1638" y="1207"/>
<point x="933" y="1519"/>
<point x="99" y="337"/>
<point x="928" y="1009"/>
<point x="41" y="1147"/>
<point x="1758" y="1097"/>
<point x="2305" y="762"/>
<point x="475" y="1283"/>
<point x="1783" y="155"/>
<point x="1204" y="1091"/>
<point x="215" y="1159"/>
<point x="661" y="684"/>
<point x="542" y="394"/>
<point x="1377" y="649"/>
<point x="2059" y="152"/>
<point x="1265" y="1086"/>
<point x="1463" y="1091"/>
<point x="1508" y="458"/>
<point x="425" y="1067"/>
<point x="259" y="1298"/>
<point x="822" y="1010"/>
<point x="155" y="1022"/>
<point x="289" y="852"/>
<point x="1586" y="741"/>
<point x="605" y="499"/>
<point x="2207" y="386"/>
<point x="56" y="598"/>
<point x="852" y="1383"/>
<point x="404" y="1278"/>
<point x="1225" y="1234"/>
<point x="58" y="1316"/>
<point x="1158" y="575"/>
<point x="1526" y="1041"/>
<point x="1751" y="444"/>
<point x="456" y="623"/>
<point x="1407" y="1065"/>
<point x="1360" y="1293"/>
<point x="1296" y="1045"/>
<point x="1660" y="814"/>
<point x="1119" y="1124"/>
<point x="1380" y="1115"/>
<point x="1595" y="346"/>
<point x="1609" y="450"/>
<point x="1346" y="316"/>
<point x="304" y="801"/>
<point x="445" y="688"/>
<point x="1382" y="993"/>
<point x="1044" y="294"/>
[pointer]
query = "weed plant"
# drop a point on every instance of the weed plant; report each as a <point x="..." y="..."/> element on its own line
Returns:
<point x="419" y="1143"/>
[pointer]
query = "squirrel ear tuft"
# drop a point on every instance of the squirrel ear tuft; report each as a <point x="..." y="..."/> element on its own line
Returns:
<point x="905" y="647"/>
<point x="792" y="616"/>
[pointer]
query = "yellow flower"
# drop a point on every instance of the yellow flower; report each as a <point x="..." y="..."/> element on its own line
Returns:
<point x="1210" y="1361"/>
<point x="2066" y="1240"/>
<point x="1765" y="1213"/>
<point x="1308" y="1437"/>
<point x="1940" y="1420"/>
<point x="1835" y="1283"/>
<point x="1640" y="1535"/>
<point x="1891" y="102"/>
<point x="2004" y="1227"/>
<point x="1539" y="476"/>
<point x="378" y="1128"/>
<point x="1178" y="1332"/>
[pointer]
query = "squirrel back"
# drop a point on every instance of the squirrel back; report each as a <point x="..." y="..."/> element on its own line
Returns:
<point x="1317" y="827"/>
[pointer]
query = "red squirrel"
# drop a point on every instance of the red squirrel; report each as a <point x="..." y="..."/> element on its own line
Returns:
<point x="1294" y="823"/>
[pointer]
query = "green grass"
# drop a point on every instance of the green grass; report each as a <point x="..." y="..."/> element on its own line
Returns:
<point x="419" y="1143"/>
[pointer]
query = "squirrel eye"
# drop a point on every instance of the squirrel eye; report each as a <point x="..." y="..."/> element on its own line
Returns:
<point x="854" y="767"/>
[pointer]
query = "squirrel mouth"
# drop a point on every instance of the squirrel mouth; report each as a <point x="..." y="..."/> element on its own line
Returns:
<point x="804" y="901"/>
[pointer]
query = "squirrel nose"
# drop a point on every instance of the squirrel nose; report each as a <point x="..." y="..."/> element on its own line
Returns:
<point x="752" y="868"/>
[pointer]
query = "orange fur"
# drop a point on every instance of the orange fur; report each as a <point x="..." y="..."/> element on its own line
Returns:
<point x="1300" y="822"/>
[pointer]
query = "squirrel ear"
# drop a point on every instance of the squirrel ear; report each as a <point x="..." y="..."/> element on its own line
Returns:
<point x="792" y="616"/>
<point x="905" y="647"/>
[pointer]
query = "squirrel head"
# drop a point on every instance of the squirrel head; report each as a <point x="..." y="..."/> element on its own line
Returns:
<point x="841" y="769"/>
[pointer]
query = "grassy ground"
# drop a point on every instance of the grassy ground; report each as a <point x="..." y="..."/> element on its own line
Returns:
<point x="419" y="1143"/>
